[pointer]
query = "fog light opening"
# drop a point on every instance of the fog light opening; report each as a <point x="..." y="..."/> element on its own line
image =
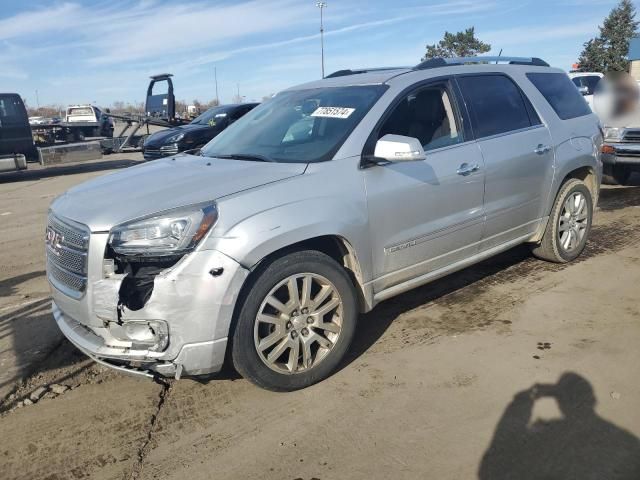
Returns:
<point x="151" y="335"/>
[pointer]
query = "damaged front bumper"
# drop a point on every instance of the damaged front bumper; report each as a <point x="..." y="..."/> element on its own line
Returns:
<point x="192" y="306"/>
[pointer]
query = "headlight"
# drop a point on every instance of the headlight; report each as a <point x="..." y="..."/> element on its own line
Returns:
<point x="171" y="233"/>
<point x="613" y="133"/>
<point x="175" y="138"/>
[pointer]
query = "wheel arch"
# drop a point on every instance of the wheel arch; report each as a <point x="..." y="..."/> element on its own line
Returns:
<point x="585" y="173"/>
<point x="589" y="176"/>
<point x="335" y="246"/>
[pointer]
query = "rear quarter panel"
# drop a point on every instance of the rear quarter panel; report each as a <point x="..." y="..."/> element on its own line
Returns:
<point x="576" y="141"/>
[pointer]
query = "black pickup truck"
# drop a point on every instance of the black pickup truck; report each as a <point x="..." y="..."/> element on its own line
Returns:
<point x="16" y="141"/>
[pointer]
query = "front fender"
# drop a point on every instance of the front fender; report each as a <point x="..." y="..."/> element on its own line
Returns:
<point x="275" y="228"/>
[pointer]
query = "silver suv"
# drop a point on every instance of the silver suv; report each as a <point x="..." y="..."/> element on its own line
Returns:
<point x="325" y="200"/>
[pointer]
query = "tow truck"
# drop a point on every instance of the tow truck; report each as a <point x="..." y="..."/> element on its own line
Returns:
<point x="75" y="138"/>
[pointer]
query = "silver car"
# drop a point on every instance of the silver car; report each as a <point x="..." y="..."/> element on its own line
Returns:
<point x="325" y="200"/>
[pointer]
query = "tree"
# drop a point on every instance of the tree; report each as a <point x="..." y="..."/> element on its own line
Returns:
<point x="609" y="50"/>
<point x="461" y="44"/>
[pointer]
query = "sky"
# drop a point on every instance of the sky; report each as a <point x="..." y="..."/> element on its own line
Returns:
<point x="80" y="51"/>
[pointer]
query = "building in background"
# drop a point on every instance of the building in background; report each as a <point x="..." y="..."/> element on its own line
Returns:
<point x="634" y="58"/>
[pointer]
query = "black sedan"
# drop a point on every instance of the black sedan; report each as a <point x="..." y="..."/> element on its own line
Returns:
<point x="196" y="134"/>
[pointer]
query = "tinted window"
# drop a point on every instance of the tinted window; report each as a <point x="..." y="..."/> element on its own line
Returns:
<point x="496" y="104"/>
<point x="428" y="115"/>
<point x="212" y="117"/>
<point x="11" y="110"/>
<point x="589" y="81"/>
<point x="561" y="94"/>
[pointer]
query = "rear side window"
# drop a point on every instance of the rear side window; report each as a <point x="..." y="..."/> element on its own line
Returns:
<point x="562" y="95"/>
<point x="11" y="110"/>
<point x="496" y="103"/>
<point x="589" y="81"/>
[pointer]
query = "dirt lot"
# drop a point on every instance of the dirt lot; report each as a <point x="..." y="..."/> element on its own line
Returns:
<point x="438" y="383"/>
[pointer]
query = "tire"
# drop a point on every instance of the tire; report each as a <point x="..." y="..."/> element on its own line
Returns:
<point x="264" y="352"/>
<point x="555" y="245"/>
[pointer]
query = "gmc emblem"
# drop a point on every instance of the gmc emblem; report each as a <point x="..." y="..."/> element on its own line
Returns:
<point x="53" y="239"/>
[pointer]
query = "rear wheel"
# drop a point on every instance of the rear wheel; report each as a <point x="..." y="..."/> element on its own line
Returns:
<point x="296" y="323"/>
<point x="569" y="224"/>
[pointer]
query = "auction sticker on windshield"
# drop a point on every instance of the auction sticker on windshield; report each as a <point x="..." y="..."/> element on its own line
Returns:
<point x="333" y="112"/>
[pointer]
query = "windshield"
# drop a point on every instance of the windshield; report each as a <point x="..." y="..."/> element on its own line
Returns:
<point x="211" y="117"/>
<point x="298" y="126"/>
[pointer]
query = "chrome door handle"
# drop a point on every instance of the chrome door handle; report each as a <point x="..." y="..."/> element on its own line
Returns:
<point x="466" y="169"/>
<point x="542" y="149"/>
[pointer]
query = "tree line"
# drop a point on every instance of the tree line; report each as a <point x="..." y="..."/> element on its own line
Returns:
<point x="606" y="52"/>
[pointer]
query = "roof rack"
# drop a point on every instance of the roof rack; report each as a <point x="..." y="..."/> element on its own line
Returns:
<point x="344" y="73"/>
<point x="447" y="62"/>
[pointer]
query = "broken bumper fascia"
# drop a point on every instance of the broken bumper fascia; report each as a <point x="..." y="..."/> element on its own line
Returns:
<point x="196" y="306"/>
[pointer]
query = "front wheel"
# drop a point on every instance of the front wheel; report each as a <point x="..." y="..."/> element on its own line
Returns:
<point x="569" y="224"/>
<point x="296" y="323"/>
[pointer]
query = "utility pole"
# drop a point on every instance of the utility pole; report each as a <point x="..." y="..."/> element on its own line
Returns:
<point x="215" y="74"/>
<point x="321" y="6"/>
<point x="238" y="97"/>
<point x="37" y="100"/>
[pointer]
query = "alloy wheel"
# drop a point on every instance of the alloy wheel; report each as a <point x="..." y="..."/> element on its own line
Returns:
<point x="573" y="222"/>
<point x="298" y="323"/>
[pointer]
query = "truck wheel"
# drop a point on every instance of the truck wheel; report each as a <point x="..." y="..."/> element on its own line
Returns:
<point x="296" y="323"/>
<point x="569" y="224"/>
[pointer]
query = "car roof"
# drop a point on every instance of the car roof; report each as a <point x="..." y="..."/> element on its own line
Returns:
<point x="387" y="76"/>
<point x="362" y="77"/>
<point x="438" y="66"/>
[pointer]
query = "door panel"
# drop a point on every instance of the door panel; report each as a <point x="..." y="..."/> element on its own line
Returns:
<point x="424" y="215"/>
<point x="519" y="170"/>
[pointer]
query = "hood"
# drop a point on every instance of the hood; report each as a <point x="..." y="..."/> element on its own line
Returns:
<point x="110" y="200"/>
<point x="159" y="138"/>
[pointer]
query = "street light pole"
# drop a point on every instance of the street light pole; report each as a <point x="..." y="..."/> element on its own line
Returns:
<point x="321" y="6"/>
<point x="215" y="74"/>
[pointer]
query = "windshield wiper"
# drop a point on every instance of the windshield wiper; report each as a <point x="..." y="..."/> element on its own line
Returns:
<point x="245" y="156"/>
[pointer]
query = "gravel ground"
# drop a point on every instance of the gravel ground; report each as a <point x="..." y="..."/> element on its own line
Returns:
<point x="440" y="383"/>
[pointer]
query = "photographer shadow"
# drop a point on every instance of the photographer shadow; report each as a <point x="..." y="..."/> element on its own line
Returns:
<point x="579" y="446"/>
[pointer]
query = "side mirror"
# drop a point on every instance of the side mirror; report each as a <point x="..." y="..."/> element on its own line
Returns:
<point x="398" y="148"/>
<point x="583" y="90"/>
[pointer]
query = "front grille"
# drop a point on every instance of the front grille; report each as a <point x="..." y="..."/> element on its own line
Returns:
<point x="160" y="152"/>
<point x="153" y="153"/>
<point x="63" y="277"/>
<point x="67" y="245"/>
<point x="631" y="135"/>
